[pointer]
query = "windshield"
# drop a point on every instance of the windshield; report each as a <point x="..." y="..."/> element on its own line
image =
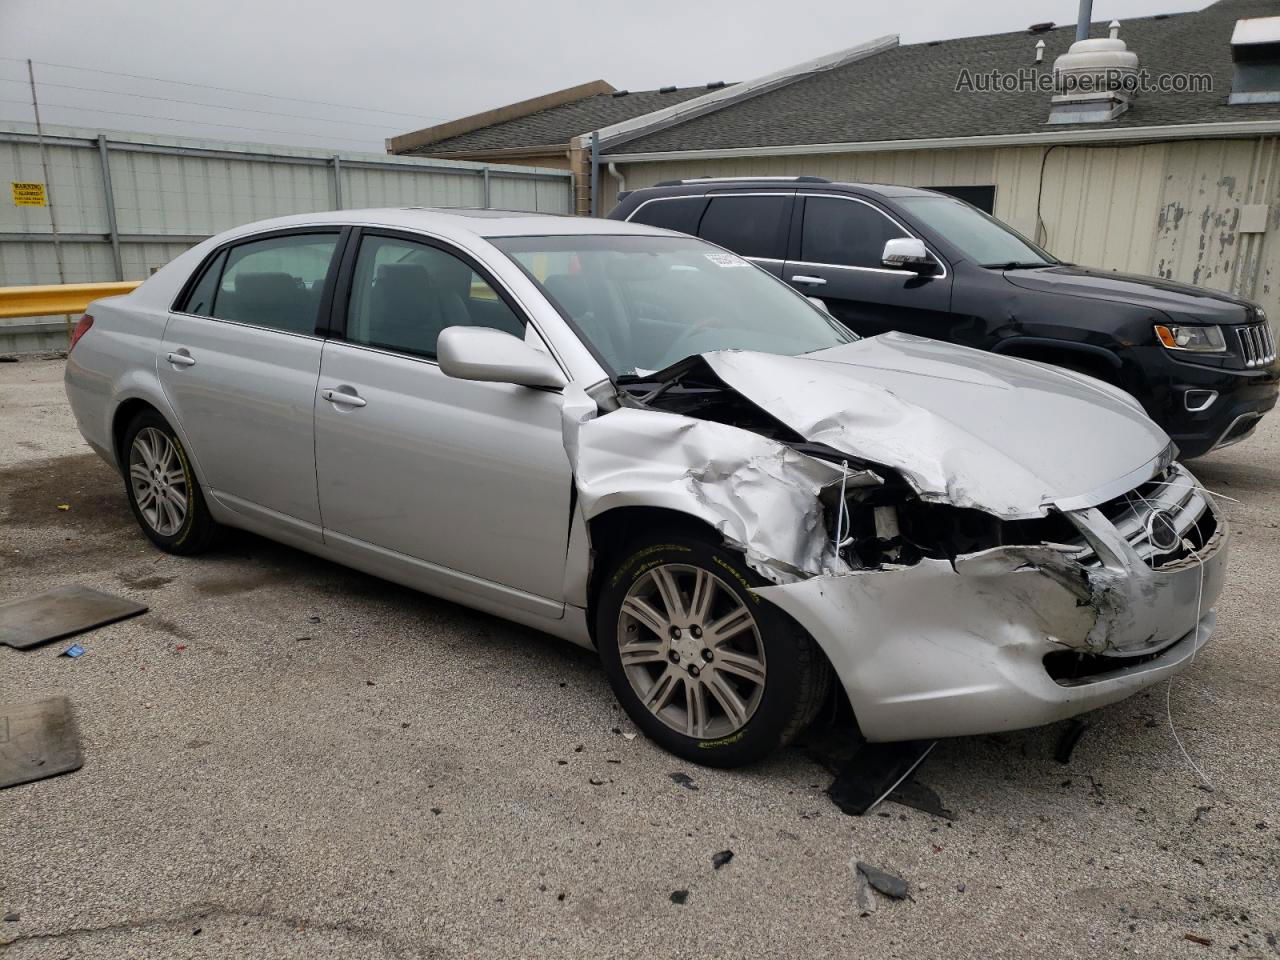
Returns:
<point x="644" y="303"/>
<point x="981" y="238"/>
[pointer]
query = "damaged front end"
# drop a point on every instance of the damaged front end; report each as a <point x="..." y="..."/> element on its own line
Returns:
<point x="947" y="602"/>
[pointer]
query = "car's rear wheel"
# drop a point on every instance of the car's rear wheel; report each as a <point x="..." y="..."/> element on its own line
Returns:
<point x="163" y="492"/>
<point x="702" y="664"/>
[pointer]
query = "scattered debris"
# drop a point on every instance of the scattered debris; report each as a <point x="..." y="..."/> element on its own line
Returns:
<point x="42" y="741"/>
<point x="595" y="781"/>
<point x="313" y="619"/>
<point x="437" y="811"/>
<point x="863" y="896"/>
<point x="60" y="612"/>
<point x="684" y="780"/>
<point x="628" y="736"/>
<point x="720" y="859"/>
<point x="73" y="651"/>
<point x="886" y="883"/>
<point x="64" y="506"/>
<point x="1203" y="941"/>
<point x="12" y="917"/>
<point x="912" y="793"/>
<point x="679" y="896"/>
<point x="1070" y="737"/>
<point x="1200" y="812"/>
<point x="874" y="771"/>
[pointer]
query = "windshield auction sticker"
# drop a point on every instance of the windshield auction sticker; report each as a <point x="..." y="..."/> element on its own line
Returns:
<point x="725" y="260"/>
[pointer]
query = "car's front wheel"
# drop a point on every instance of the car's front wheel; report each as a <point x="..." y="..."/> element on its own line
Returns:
<point x="702" y="664"/>
<point x="163" y="492"/>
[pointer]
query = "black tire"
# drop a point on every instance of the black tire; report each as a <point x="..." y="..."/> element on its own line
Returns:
<point x="796" y="680"/>
<point x="197" y="530"/>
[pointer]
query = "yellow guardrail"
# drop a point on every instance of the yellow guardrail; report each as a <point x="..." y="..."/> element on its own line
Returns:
<point x="58" y="298"/>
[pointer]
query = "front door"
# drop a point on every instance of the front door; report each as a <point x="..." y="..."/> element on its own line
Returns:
<point x="239" y="366"/>
<point x="469" y="478"/>
<point x="838" y="261"/>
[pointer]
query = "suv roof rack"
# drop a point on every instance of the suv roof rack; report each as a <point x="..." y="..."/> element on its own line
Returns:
<point x="678" y="183"/>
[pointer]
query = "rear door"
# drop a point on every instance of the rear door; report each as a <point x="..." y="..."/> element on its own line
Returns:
<point x="837" y="258"/>
<point x="239" y="364"/>
<point x="468" y="479"/>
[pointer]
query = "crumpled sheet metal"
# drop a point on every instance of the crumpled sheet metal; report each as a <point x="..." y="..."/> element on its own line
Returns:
<point x="979" y="430"/>
<point x="937" y="649"/>
<point x="762" y="496"/>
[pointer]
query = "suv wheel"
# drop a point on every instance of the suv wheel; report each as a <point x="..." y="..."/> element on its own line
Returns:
<point x="701" y="664"/>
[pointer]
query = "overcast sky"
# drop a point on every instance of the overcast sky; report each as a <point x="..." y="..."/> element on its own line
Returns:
<point x="405" y="64"/>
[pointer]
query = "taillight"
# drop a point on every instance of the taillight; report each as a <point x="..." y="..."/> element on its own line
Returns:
<point x="82" y="327"/>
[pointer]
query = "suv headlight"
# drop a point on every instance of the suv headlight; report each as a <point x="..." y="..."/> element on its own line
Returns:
<point x="1192" y="339"/>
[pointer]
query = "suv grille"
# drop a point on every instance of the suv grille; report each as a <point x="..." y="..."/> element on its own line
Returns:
<point x="1175" y="492"/>
<point x="1257" y="346"/>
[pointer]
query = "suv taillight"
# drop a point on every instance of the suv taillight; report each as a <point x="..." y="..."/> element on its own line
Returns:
<point x="82" y="327"/>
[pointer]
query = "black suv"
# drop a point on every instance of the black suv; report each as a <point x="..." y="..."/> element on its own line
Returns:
<point x="1202" y="363"/>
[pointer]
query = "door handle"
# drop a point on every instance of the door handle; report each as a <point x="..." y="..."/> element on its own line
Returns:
<point x="802" y="278"/>
<point x="342" y="397"/>
<point x="181" y="359"/>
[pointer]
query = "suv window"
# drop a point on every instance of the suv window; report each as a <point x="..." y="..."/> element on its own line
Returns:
<point x="404" y="293"/>
<point x="676" y="213"/>
<point x="845" y="232"/>
<point x="274" y="283"/>
<point x="753" y="226"/>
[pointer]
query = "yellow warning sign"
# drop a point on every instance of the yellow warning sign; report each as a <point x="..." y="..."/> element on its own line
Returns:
<point x="29" y="194"/>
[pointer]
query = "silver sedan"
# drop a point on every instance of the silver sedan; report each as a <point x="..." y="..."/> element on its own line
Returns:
<point x="651" y="447"/>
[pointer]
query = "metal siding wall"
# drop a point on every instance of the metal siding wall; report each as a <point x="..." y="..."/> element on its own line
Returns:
<point x="75" y="186"/>
<point x="183" y="194"/>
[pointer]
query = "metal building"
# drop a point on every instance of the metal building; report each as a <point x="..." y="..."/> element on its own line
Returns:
<point x="115" y="206"/>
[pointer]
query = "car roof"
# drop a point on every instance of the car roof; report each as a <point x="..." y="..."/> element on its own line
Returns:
<point x="456" y="222"/>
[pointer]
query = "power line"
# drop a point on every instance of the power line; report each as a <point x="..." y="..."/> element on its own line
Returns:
<point x="206" y="123"/>
<point x="198" y="103"/>
<point x="207" y="86"/>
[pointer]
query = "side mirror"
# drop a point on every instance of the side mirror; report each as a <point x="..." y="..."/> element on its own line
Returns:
<point x="907" y="253"/>
<point x="820" y="304"/>
<point x="482" y="353"/>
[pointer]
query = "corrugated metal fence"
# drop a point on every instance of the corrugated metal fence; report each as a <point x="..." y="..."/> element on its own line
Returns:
<point x="124" y="203"/>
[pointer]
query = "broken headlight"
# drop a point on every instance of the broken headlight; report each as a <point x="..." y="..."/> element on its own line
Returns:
<point x="885" y="525"/>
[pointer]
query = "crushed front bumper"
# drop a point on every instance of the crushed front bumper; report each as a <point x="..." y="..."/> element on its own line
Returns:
<point x="940" y="649"/>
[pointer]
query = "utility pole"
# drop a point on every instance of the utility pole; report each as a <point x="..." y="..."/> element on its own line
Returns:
<point x="48" y="184"/>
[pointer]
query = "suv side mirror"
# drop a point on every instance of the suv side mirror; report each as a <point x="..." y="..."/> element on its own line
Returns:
<point x="907" y="253"/>
<point x="482" y="353"/>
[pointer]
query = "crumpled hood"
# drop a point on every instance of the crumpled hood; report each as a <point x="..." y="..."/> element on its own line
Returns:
<point x="1180" y="301"/>
<point x="962" y="426"/>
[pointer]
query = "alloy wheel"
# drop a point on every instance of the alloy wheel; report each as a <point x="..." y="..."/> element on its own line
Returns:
<point x="159" y="481"/>
<point x="691" y="650"/>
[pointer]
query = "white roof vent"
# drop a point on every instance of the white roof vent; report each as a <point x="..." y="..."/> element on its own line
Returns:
<point x="1096" y="80"/>
<point x="1255" y="53"/>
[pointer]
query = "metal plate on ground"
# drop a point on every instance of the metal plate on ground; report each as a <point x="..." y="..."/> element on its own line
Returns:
<point x="61" y="612"/>
<point x="37" y="740"/>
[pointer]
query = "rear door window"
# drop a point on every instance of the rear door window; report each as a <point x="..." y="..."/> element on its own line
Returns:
<point x="675" y="213"/>
<point x="845" y="233"/>
<point x="276" y="282"/>
<point x="752" y="226"/>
